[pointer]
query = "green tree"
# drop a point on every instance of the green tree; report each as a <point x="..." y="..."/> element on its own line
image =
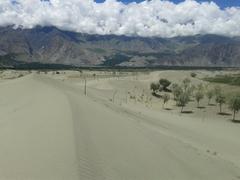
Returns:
<point x="191" y="89"/>
<point x="217" y="90"/>
<point x="199" y="96"/>
<point x="166" y="98"/>
<point x="176" y="90"/>
<point x="220" y="99"/>
<point x="210" y="94"/>
<point x="154" y="87"/>
<point x="183" y="100"/>
<point x="164" y="83"/>
<point x="200" y="87"/>
<point x="234" y="105"/>
<point x="186" y="83"/>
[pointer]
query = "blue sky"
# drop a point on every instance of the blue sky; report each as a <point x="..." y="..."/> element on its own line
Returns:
<point x="221" y="3"/>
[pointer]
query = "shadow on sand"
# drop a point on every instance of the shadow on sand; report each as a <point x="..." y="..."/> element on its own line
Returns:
<point x="224" y="114"/>
<point x="237" y="121"/>
<point x="201" y="107"/>
<point x="168" y="109"/>
<point x="211" y="104"/>
<point x="187" y="112"/>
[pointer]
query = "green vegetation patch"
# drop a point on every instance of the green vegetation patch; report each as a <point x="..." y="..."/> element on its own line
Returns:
<point x="116" y="60"/>
<point x="153" y="54"/>
<point x="231" y="79"/>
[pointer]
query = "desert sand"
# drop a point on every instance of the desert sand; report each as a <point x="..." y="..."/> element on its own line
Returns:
<point x="49" y="130"/>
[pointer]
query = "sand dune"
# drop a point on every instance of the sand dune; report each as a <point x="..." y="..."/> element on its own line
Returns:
<point x="49" y="130"/>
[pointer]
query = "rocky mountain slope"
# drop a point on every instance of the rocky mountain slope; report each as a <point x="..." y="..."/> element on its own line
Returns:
<point x="50" y="45"/>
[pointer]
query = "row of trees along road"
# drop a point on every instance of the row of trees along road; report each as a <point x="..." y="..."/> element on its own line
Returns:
<point x="184" y="92"/>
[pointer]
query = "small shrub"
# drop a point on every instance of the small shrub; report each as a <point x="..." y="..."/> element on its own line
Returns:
<point x="193" y="75"/>
<point x="234" y="105"/>
<point x="20" y="75"/>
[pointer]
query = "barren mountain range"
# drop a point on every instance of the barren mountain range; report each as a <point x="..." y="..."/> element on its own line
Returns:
<point x="49" y="45"/>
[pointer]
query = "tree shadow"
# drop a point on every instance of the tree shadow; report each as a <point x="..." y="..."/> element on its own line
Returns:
<point x="201" y="107"/>
<point x="168" y="109"/>
<point x="237" y="121"/>
<point x="187" y="112"/>
<point x="224" y="114"/>
<point x="156" y="95"/>
<point x="211" y="104"/>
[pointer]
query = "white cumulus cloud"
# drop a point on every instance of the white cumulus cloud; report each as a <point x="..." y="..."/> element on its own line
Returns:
<point x="148" y="18"/>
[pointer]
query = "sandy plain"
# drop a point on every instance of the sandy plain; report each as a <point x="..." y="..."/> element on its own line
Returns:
<point x="50" y="130"/>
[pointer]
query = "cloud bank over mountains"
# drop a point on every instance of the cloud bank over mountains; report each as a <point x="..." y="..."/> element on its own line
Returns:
<point x="148" y="18"/>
